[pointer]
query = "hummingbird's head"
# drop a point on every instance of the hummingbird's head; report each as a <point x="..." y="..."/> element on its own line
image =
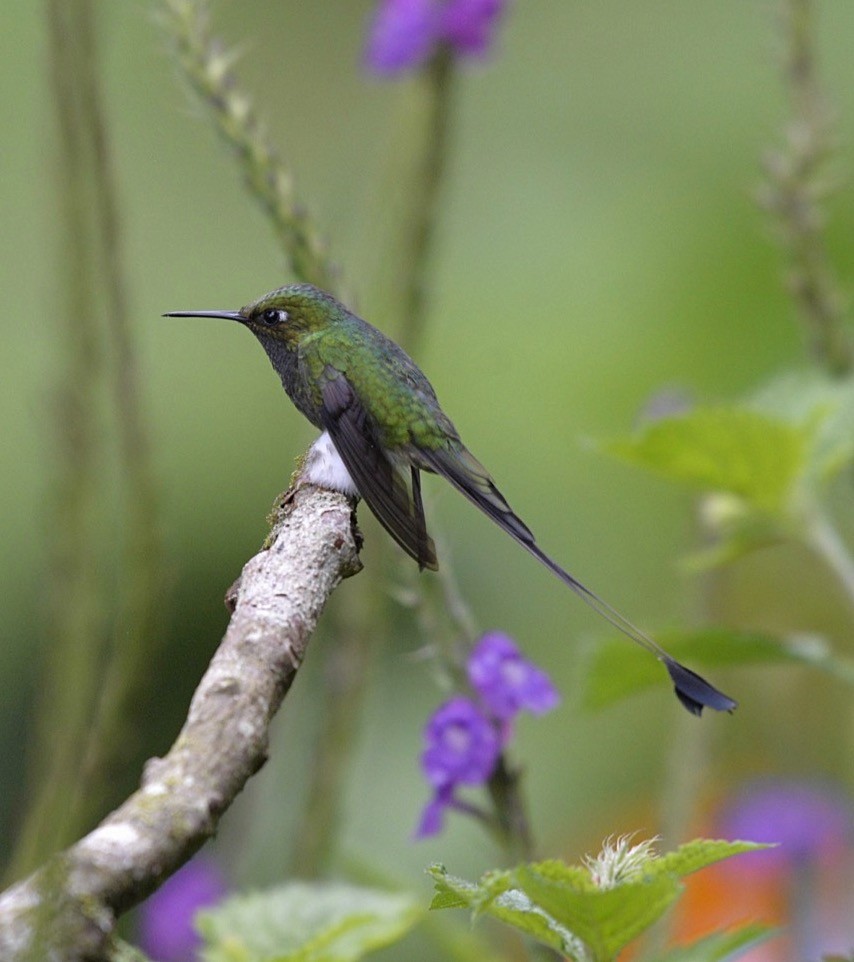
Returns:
<point x="290" y="312"/>
<point x="284" y="315"/>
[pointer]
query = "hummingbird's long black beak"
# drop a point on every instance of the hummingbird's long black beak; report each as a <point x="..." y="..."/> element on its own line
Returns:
<point x="226" y="315"/>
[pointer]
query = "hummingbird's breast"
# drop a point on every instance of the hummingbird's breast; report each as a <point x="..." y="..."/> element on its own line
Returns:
<point x="301" y="389"/>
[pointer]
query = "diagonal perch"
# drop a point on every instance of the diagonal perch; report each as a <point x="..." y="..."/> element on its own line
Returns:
<point x="67" y="909"/>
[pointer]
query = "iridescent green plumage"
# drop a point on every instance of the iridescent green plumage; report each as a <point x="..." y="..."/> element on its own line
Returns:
<point x="385" y="423"/>
<point x="324" y="334"/>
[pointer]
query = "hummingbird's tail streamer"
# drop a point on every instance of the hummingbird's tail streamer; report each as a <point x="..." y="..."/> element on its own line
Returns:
<point x="470" y="478"/>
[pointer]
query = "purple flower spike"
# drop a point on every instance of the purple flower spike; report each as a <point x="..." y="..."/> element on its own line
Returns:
<point x="461" y="748"/>
<point x="468" y="25"/>
<point x="166" y="932"/>
<point x="405" y="33"/>
<point x="402" y="35"/>
<point x="461" y="745"/>
<point x="811" y="822"/>
<point x="506" y="682"/>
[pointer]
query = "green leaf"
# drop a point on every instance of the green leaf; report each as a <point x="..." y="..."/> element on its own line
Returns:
<point x="604" y="919"/>
<point x="701" y="852"/>
<point x="748" y="453"/>
<point x="721" y="946"/>
<point x="563" y="906"/>
<point x="828" y="404"/>
<point x="614" y="669"/>
<point x="495" y="896"/>
<point x="306" y="922"/>
<point x="451" y="892"/>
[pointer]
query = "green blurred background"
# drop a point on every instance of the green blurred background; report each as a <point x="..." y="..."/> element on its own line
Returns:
<point x="598" y="242"/>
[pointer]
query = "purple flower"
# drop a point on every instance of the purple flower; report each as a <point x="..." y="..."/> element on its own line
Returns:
<point x="433" y="814"/>
<point x="402" y="35"/>
<point x="468" y="25"/>
<point x="461" y="747"/>
<point x="405" y="33"/>
<point x="811" y="823"/>
<point x="166" y="930"/>
<point x="506" y="682"/>
<point x="464" y="739"/>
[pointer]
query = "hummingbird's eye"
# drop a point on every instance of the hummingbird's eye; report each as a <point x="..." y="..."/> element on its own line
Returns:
<point x="273" y="316"/>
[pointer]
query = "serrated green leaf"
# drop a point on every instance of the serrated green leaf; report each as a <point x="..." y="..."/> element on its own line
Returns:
<point x="614" y="670"/>
<point x="305" y="922"/>
<point x="495" y="897"/>
<point x="555" y="870"/>
<point x="605" y="920"/>
<point x="448" y="900"/>
<point x="697" y="854"/>
<point x="516" y="908"/>
<point x="745" y="452"/>
<point x="561" y="905"/>
<point x="721" y="946"/>
<point x="451" y="892"/>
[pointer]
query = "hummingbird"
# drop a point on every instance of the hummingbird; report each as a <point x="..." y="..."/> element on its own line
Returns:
<point x="382" y="425"/>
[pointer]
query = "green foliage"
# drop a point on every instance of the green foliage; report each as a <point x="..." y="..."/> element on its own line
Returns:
<point x="588" y="912"/>
<point x="615" y="670"/>
<point x="827" y="405"/>
<point x="799" y="425"/>
<point x="306" y="922"/>
<point x="763" y="465"/>
<point x="749" y="454"/>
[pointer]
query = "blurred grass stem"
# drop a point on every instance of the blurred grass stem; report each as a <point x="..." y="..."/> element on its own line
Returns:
<point x="796" y="185"/>
<point x="78" y="628"/>
<point x="207" y="66"/>
<point x="86" y="708"/>
<point x="419" y="224"/>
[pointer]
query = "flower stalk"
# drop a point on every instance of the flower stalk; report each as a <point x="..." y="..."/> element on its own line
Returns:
<point x="207" y="66"/>
<point x="796" y="184"/>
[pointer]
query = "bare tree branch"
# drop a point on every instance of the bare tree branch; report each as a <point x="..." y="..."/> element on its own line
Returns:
<point x="66" y="910"/>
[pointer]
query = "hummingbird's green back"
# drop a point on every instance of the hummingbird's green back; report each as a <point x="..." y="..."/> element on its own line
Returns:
<point x="320" y="339"/>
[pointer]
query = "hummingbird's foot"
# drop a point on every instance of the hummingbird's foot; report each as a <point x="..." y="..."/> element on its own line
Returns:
<point x="358" y="537"/>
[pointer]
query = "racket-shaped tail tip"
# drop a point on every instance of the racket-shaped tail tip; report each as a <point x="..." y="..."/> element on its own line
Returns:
<point x="695" y="692"/>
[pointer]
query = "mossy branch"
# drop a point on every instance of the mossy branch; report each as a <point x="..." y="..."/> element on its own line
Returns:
<point x="68" y="908"/>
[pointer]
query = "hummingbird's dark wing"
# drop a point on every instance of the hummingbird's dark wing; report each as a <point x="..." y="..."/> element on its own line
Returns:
<point x="378" y="480"/>
<point x="458" y="465"/>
